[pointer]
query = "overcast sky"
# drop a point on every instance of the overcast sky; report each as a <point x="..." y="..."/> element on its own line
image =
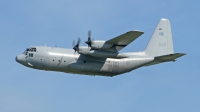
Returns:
<point x="167" y="87"/>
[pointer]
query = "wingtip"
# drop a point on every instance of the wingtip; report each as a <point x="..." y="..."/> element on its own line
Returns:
<point x="137" y="31"/>
<point x="164" y="19"/>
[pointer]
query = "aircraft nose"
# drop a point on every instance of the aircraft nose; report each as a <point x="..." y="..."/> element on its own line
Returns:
<point x="20" y="59"/>
<point x="17" y="58"/>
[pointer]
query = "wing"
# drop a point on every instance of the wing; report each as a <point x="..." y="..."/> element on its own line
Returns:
<point x="123" y="40"/>
<point x="110" y="48"/>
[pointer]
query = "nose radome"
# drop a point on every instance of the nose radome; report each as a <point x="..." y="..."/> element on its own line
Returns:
<point x="17" y="59"/>
<point x="21" y="59"/>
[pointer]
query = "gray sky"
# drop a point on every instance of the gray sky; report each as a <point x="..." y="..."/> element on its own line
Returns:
<point x="168" y="87"/>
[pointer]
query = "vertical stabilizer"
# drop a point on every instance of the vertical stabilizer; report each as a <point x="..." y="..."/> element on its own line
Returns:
<point x="161" y="41"/>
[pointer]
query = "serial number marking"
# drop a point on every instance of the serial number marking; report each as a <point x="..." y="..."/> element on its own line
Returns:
<point x="162" y="44"/>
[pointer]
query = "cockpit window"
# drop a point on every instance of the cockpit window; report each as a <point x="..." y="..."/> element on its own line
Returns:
<point x="26" y="51"/>
<point x="32" y="49"/>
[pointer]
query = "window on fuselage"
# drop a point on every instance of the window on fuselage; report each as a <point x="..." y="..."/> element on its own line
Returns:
<point x="30" y="54"/>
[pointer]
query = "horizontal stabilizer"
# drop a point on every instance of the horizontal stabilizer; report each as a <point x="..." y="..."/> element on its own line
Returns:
<point x="165" y="58"/>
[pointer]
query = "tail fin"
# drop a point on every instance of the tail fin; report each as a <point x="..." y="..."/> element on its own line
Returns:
<point x="161" y="41"/>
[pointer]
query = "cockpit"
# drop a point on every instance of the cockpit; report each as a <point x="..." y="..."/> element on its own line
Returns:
<point x="32" y="49"/>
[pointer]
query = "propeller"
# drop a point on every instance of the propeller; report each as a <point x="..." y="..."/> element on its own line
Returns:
<point x="89" y="41"/>
<point x="76" y="46"/>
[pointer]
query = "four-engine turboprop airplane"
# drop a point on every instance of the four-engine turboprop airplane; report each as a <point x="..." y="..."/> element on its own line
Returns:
<point x="103" y="57"/>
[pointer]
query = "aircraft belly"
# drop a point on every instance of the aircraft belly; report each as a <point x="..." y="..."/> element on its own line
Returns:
<point x="92" y="67"/>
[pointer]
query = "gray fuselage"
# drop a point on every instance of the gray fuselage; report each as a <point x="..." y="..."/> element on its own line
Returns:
<point x="66" y="60"/>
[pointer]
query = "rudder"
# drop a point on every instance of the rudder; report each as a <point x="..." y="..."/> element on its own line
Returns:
<point x="161" y="42"/>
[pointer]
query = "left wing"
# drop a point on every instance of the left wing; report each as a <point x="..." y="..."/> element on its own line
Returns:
<point x="123" y="40"/>
<point x="110" y="48"/>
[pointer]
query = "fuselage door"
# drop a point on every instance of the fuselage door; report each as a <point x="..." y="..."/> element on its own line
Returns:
<point x="115" y="66"/>
<point x="46" y="62"/>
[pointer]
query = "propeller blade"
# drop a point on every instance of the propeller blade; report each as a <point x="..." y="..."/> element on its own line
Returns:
<point x="73" y="44"/>
<point x="89" y="35"/>
<point x="89" y="42"/>
<point x="78" y="42"/>
<point x="76" y="46"/>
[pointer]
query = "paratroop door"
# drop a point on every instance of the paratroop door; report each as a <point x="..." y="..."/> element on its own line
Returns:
<point x="115" y="66"/>
<point x="46" y="62"/>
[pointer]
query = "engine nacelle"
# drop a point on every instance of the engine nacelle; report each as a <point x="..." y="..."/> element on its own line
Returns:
<point x="98" y="44"/>
<point x="99" y="53"/>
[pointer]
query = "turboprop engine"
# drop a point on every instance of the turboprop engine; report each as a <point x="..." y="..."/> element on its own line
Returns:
<point x="97" y="48"/>
<point x="97" y="44"/>
<point x="99" y="53"/>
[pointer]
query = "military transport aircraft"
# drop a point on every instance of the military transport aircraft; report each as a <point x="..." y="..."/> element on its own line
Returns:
<point x="103" y="57"/>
